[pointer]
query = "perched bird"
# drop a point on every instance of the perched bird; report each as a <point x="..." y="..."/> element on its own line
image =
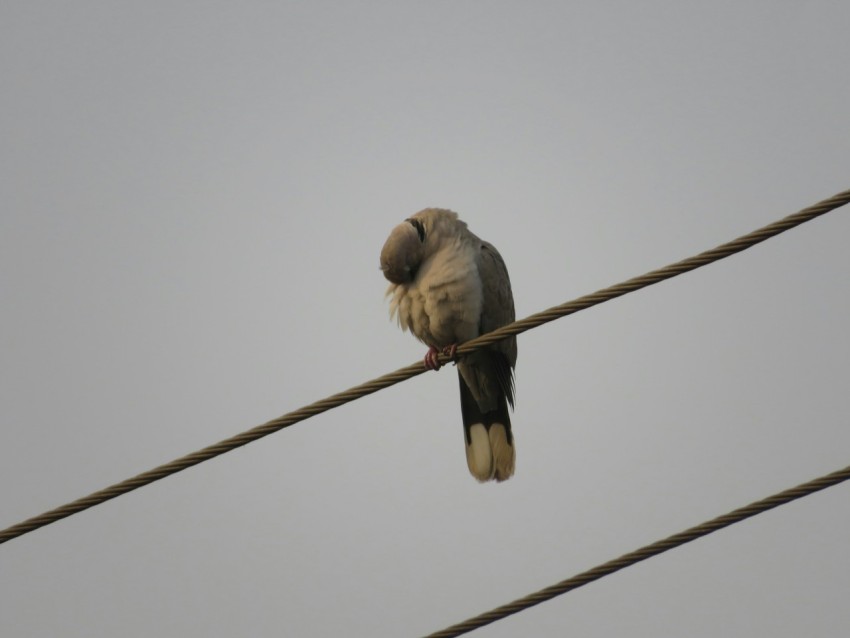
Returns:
<point x="448" y="286"/>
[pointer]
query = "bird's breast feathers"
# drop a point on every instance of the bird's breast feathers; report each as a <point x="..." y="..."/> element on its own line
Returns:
<point x="442" y="305"/>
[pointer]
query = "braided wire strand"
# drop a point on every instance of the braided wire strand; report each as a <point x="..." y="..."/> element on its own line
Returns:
<point x="661" y="274"/>
<point x="645" y="552"/>
<point x="402" y="374"/>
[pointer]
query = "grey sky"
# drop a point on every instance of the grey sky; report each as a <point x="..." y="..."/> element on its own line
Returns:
<point x="193" y="199"/>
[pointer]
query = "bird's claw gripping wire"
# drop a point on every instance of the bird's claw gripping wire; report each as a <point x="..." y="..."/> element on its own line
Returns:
<point x="432" y="361"/>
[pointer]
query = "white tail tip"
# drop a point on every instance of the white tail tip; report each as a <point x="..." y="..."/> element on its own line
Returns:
<point x="488" y="454"/>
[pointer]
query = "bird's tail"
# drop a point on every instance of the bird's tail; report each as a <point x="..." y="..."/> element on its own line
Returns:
<point x="489" y="442"/>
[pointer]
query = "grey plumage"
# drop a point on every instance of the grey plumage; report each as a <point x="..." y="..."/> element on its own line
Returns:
<point x="447" y="286"/>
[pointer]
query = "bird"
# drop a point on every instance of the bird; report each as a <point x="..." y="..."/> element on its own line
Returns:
<point x="448" y="286"/>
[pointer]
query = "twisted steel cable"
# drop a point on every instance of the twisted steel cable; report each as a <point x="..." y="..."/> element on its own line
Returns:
<point x="336" y="400"/>
<point x="647" y="551"/>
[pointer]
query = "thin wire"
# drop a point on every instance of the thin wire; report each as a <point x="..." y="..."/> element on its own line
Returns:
<point x="385" y="381"/>
<point x="648" y="551"/>
<point x="655" y="276"/>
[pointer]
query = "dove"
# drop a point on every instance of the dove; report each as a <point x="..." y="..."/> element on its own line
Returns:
<point x="447" y="286"/>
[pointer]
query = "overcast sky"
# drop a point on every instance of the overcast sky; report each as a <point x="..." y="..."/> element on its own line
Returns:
<point x="194" y="197"/>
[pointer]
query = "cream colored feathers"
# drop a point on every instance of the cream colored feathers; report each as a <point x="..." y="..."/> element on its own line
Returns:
<point x="447" y="286"/>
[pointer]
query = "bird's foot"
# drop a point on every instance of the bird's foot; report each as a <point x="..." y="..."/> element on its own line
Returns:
<point x="451" y="352"/>
<point x="432" y="361"/>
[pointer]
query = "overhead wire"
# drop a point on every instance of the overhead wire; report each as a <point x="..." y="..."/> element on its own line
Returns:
<point x="364" y="389"/>
<point x="641" y="554"/>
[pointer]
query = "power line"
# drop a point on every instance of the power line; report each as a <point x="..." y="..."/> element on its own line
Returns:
<point x="647" y="551"/>
<point x="336" y="400"/>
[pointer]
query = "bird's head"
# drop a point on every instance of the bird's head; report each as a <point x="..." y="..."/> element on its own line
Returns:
<point x="403" y="251"/>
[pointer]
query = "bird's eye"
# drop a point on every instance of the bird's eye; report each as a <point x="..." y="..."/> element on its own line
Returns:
<point x="420" y="229"/>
